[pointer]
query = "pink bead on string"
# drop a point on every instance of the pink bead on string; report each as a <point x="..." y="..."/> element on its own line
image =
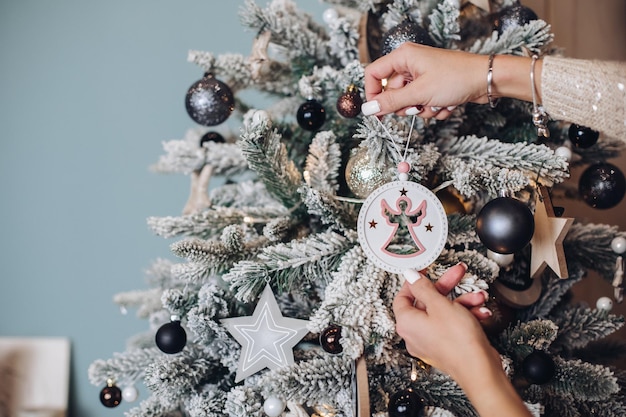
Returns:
<point x="403" y="169"/>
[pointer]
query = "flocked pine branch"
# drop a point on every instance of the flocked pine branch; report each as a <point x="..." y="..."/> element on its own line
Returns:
<point x="444" y="25"/>
<point x="520" y="339"/>
<point x="580" y="325"/>
<point x="323" y="162"/>
<point x="124" y="368"/>
<point x="330" y="210"/>
<point x="533" y="36"/>
<point x="400" y="10"/>
<point x="552" y="295"/>
<point x="583" y="381"/>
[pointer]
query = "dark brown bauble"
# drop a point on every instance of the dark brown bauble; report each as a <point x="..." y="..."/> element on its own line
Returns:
<point x="602" y="185"/>
<point x="538" y="367"/>
<point x="405" y="403"/>
<point x="311" y="115"/>
<point x="209" y="101"/>
<point x="505" y="225"/>
<point x="329" y="339"/>
<point x="171" y="337"/>
<point x="111" y="396"/>
<point x="349" y="103"/>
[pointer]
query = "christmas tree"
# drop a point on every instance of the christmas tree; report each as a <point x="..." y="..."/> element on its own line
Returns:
<point x="280" y="302"/>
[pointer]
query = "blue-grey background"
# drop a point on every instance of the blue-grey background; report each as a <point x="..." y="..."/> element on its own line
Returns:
<point x="88" y="91"/>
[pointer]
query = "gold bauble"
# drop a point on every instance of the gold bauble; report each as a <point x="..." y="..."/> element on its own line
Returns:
<point x="451" y="201"/>
<point x="362" y="177"/>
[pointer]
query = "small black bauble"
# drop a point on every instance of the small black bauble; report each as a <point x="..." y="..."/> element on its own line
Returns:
<point x="211" y="136"/>
<point x="513" y="16"/>
<point x="329" y="339"/>
<point x="111" y="396"/>
<point x="602" y="185"/>
<point x="538" y="367"/>
<point x="505" y="225"/>
<point x="311" y="115"/>
<point x="581" y="136"/>
<point x="171" y="337"/>
<point x="407" y="31"/>
<point x="405" y="403"/>
<point x="209" y="101"/>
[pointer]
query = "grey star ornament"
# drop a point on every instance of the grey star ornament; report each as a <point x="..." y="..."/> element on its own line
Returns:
<point x="267" y="338"/>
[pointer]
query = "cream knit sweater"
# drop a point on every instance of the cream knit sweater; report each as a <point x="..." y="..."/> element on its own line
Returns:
<point x="588" y="93"/>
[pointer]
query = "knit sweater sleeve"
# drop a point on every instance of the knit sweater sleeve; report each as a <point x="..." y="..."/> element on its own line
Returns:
<point x="588" y="93"/>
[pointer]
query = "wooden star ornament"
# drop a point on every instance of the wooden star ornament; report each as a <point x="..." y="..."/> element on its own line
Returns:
<point x="547" y="241"/>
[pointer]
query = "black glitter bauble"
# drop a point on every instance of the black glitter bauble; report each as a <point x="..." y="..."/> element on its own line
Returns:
<point x="311" y="115"/>
<point x="209" y="101"/>
<point x="513" y="16"/>
<point x="405" y="403"/>
<point x="329" y="339"/>
<point x="349" y="103"/>
<point x="111" y="396"/>
<point x="407" y="31"/>
<point x="581" y="136"/>
<point x="602" y="185"/>
<point x="505" y="225"/>
<point x="538" y="367"/>
<point x="211" y="136"/>
<point x="171" y="337"/>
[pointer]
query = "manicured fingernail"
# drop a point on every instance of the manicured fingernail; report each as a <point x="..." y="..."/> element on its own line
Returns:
<point x="370" y="107"/>
<point x="412" y="275"/>
<point x="486" y="311"/>
<point x="412" y="111"/>
<point x="484" y="293"/>
<point x="463" y="264"/>
<point x="450" y="108"/>
<point x="435" y="109"/>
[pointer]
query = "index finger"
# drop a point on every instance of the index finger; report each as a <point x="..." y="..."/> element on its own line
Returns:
<point x="375" y="72"/>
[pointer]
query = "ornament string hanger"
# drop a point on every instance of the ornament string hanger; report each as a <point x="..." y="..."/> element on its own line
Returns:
<point x="403" y="166"/>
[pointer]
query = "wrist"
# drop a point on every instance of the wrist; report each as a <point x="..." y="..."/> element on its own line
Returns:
<point x="511" y="77"/>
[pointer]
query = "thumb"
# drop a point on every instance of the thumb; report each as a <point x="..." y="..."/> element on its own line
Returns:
<point x="422" y="289"/>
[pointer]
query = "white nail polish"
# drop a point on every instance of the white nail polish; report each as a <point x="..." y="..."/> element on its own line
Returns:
<point x="412" y="276"/>
<point x="450" y="108"/>
<point x="485" y="310"/>
<point x="435" y="109"/>
<point x="370" y="107"/>
<point x="412" y="111"/>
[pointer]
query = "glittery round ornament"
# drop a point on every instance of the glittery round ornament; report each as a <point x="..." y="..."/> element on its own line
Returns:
<point x="513" y="16"/>
<point x="402" y="225"/>
<point x="407" y="31"/>
<point x="581" y="136"/>
<point x="349" y="103"/>
<point x="505" y="225"/>
<point x="171" y="337"/>
<point x="362" y="177"/>
<point x="311" y="115"/>
<point x="329" y="339"/>
<point x="209" y="101"/>
<point x="602" y="185"/>
<point x="405" y="403"/>
<point x="111" y="396"/>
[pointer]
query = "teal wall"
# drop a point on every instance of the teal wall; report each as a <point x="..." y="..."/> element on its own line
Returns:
<point x="88" y="90"/>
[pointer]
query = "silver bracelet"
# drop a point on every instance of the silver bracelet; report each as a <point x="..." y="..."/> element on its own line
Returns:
<point x="492" y="102"/>
<point x="540" y="117"/>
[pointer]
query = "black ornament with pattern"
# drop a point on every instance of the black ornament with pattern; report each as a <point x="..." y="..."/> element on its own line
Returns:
<point x="171" y="337"/>
<point x="111" y="396"/>
<point x="538" y="367"/>
<point x="405" y="403"/>
<point x="329" y="339"/>
<point x="602" y="185"/>
<point x="209" y="101"/>
<point x="311" y="115"/>
<point x="505" y="225"/>
<point x="581" y="136"/>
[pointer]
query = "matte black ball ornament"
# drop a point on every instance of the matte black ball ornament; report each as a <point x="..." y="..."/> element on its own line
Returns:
<point x="329" y="339"/>
<point x="311" y="115"/>
<point x="505" y="225"/>
<point x="407" y="31"/>
<point x="405" y="403"/>
<point x="538" y="367"/>
<point x="513" y="16"/>
<point x="349" y="103"/>
<point x="111" y="395"/>
<point x="209" y="101"/>
<point x="581" y="136"/>
<point x="171" y="337"/>
<point x="602" y="185"/>
<point x="211" y="136"/>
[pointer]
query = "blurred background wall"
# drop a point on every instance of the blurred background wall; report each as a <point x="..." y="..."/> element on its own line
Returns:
<point x="88" y="91"/>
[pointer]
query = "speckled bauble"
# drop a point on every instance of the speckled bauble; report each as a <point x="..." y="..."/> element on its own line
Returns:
<point x="209" y="101"/>
<point x="349" y="103"/>
<point x="602" y="185"/>
<point x="311" y="115"/>
<point x="211" y="136"/>
<point x="581" y="136"/>
<point x="513" y="16"/>
<point x="407" y="31"/>
<point x="538" y="367"/>
<point x="505" y="225"/>
<point x="111" y="396"/>
<point x="362" y="177"/>
<point x="329" y="339"/>
<point x="405" y="403"/>
<point x="171" y="337"/>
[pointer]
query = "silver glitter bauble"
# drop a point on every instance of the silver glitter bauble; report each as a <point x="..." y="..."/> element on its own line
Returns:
<point x="362" y="177"/>
<point x="209" y="101"/>
<point x="407" y="31"/>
